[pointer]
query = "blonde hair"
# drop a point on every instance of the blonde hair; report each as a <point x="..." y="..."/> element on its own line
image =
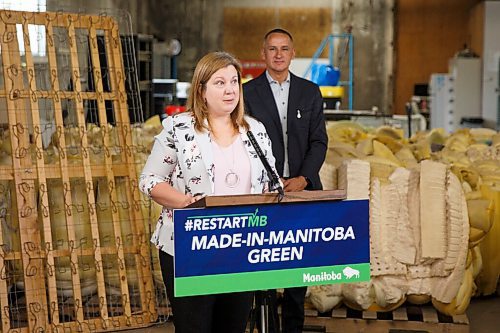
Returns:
<point x="204" y="70"/>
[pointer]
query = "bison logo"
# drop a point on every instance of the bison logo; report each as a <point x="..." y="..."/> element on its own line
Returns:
<point x="350" y="272"/>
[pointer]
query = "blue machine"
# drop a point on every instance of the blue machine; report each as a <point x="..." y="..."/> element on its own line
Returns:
<point x="324" y="75"/>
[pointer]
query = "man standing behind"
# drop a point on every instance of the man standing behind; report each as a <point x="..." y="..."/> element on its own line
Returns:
<point x="291" y="109"/>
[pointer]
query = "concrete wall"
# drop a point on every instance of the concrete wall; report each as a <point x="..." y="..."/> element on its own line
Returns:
<point x="198" y="25"/>
<point x="372" y="27"/>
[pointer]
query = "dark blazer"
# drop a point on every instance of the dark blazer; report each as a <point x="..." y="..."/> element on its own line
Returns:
<point x="307" y="138"/>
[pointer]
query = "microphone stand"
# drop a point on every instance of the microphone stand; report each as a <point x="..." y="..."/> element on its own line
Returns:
<point x="274" y="184"/>
<point x="262" y="297"/>
<point x="263" y="302"/>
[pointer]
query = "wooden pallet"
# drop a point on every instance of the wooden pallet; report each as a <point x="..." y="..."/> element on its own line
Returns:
<point x="407" y="318"/>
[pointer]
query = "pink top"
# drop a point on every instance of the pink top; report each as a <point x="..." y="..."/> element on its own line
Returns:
<point x="232" y="168"/>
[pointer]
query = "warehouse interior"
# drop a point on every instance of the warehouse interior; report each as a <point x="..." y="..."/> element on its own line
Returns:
<point x="391" y="37"/>
<point x="84" y="86"/>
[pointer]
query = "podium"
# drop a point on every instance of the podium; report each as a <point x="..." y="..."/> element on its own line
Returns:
<point x="268" y="198"/>
<point x="263" y="299"/>
<point x="267" y="241"/>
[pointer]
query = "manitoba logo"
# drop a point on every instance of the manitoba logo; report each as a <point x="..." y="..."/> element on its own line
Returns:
<point x="323" y="276"/>
<point x="350" y="272"/>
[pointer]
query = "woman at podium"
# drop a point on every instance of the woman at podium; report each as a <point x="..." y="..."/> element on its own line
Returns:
<point x="206" y="151"/>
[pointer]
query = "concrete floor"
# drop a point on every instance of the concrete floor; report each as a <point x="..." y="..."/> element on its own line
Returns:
<point x="483" y="314"/>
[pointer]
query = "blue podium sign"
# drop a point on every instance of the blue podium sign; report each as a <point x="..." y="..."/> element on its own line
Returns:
<point x="259" y="247"/>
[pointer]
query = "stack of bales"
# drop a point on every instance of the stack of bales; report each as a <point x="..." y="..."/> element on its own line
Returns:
<point x="434" y="215"/>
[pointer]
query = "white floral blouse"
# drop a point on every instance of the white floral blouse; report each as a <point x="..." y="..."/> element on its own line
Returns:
<point x="183" y="157"/>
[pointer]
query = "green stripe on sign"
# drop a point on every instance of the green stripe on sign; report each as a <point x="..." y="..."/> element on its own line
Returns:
<point x="263" y="280"/>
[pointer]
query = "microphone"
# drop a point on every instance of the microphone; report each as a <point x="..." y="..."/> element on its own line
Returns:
<point x="275" y="182"/>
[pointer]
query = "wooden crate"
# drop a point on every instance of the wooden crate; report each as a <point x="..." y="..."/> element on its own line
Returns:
<point x="54" y="183"/>
<point x="407" y="318"/>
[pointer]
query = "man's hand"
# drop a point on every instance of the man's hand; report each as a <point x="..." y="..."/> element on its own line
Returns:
<point x="295" y="184"/>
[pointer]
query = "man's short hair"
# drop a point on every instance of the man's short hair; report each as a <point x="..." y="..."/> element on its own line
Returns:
<point x="278" y="31"/>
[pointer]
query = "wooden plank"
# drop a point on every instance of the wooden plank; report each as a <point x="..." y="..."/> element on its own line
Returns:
<point x="311" y="312"/>
<point x="110" y="178"/>
<point x="11" y="255"/>
<point x="4" y="288"/>
<point x="105" y="250"/>
<point x="74" y="171"/>
<point x="332" y="325"/>
<point x="64" y="94"/>
<point x="42" y="180"/>
<point x="114" y="324"/>
<point x="114" y="54"/>
<point x="341" y="322"/>
<point x="429" y="314"/>
<point x="269" y="198"/>
<point x="56" y="19"/>
<point x="339" y="313"/>
<point x="63" y="164"/>
<point x="34" y="280"/>
<point x="399" y="314"/>
<point x="369" y="315"/>
<point x="87" y="170"/>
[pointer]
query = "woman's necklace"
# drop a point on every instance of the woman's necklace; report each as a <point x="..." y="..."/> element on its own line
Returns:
<point x="232" y="179"/>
